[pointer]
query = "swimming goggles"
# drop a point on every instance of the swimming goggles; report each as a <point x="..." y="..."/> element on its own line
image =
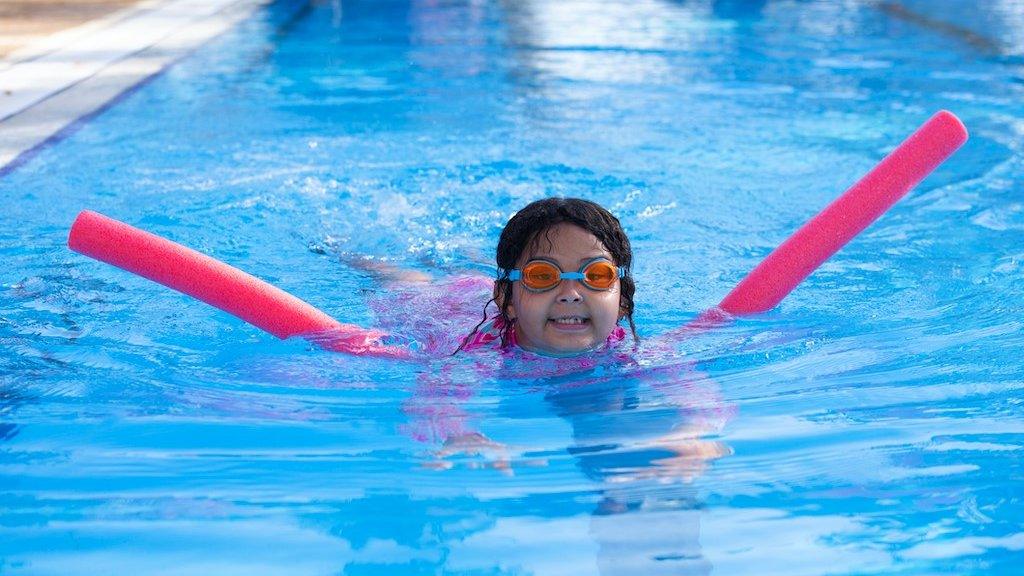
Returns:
<point x="543" y="275"/>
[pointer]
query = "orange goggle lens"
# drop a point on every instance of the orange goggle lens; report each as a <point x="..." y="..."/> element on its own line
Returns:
<point x="542" y="275"/>
<point x="600" y="275"/>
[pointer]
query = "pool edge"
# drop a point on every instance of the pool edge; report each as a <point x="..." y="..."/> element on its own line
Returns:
<point x="61" y="111"/>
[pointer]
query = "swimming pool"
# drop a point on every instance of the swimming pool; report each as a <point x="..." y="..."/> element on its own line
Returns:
<point x="870" y="424"/>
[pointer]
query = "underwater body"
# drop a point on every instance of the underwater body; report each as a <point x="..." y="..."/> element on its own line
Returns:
<point x="869" y="424"/>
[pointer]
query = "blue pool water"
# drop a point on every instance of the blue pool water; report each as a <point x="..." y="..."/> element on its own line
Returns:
<point x="871" y="424"/>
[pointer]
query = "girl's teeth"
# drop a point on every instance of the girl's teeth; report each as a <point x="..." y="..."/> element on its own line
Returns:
<point x="569" y="320"/>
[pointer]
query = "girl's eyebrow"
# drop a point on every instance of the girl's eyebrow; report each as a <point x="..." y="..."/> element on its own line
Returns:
<point x="594" y="257"/>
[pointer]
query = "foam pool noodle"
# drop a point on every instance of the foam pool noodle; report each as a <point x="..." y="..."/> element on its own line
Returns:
<point x="823" y="235"/>
<point x="220" y="285"/>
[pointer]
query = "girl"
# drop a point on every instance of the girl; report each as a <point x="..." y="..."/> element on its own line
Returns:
<point x="563" y="284"/>
<point x="563" y="288"/>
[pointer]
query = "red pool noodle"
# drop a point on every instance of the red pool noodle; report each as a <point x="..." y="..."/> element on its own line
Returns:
<point x="218" y="284"/>
<point x="821" y="237"/>
<point x="847" y="216"/>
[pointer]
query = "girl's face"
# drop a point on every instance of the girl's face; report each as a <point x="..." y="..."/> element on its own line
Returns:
<point x="570" y="317"/>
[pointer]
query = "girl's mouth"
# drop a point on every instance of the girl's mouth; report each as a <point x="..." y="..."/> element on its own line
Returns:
<point x="570" y="322"/>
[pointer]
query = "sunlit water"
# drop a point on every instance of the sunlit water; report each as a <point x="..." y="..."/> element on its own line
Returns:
<point x="870" y="424"/>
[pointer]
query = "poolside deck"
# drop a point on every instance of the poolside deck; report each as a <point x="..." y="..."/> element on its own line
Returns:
<point x="66" y="59"/>
<point x="26" y="21"/>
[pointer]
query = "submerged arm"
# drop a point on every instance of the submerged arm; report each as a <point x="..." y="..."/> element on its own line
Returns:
<point x="703" y="414"/>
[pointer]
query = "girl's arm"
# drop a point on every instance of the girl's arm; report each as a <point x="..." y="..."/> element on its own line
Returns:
<point x="703" y="413"/>
<point x="437" y="415"/>
<point x="385" y="272"/>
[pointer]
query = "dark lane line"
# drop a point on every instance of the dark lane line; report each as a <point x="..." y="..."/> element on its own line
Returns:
<point x="982" y="43"/>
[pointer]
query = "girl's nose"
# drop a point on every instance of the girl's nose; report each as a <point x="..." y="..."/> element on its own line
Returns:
<point x="569" y="292"/>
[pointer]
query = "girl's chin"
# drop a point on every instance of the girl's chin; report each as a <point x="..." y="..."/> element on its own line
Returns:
<point x="570" y="341"/>
<point x="563" y="340"/>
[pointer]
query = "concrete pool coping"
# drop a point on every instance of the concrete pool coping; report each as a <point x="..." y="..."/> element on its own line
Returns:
<point x="50" y="84"/>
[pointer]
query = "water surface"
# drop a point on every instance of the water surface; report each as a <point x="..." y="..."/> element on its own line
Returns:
<point x="870" y="424"/>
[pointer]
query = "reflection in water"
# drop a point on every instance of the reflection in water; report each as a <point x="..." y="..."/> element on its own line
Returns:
<point x="640" y="435"/>
<point x="644" y="445"/>
<point x="620" y="43"/>
<point x="450" y="40"/>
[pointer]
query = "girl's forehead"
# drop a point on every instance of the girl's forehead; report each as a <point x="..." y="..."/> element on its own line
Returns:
<point x="565" y="240"/>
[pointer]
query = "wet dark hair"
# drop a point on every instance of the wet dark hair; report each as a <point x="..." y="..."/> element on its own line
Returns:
<point x="525" y="230"/>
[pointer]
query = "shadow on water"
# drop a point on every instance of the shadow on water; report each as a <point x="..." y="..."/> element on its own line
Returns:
<point x="738" y="9"/>
<point x="10" y="399"/>
<point x="980" y="42"/>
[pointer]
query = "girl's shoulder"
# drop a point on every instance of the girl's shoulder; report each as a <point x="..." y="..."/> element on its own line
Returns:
<point x="488" y="335"/>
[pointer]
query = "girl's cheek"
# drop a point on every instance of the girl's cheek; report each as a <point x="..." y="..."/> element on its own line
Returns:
<point x="524" y="303"/>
